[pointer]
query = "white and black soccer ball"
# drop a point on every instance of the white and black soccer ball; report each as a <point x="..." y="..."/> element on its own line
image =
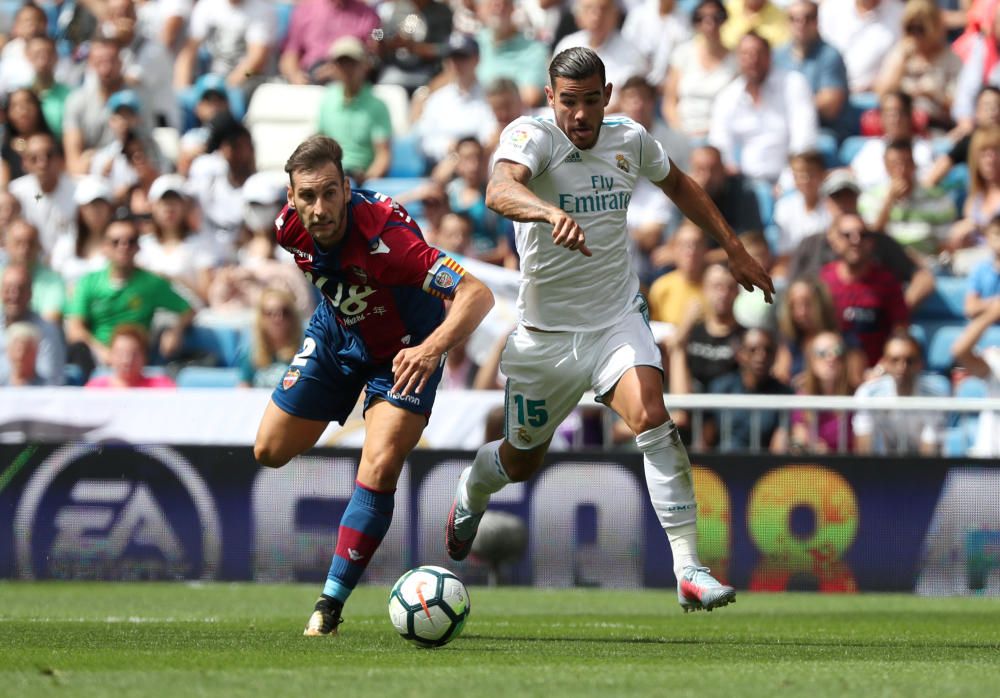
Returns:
<point x="429" y="606"/>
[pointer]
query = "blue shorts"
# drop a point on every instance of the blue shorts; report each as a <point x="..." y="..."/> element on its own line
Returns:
<point x="326" y="377"/>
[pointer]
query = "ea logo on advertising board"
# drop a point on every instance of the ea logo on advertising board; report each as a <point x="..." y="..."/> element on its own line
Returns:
<point x="116" y="512"/>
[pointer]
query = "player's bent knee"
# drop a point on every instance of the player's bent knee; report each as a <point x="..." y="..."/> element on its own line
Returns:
<point x="650" y="419"/>
<point x="265" y="454"/>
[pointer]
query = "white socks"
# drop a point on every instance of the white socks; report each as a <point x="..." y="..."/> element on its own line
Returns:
<point x="486" y="477"/>
<point x="671" y="490"/>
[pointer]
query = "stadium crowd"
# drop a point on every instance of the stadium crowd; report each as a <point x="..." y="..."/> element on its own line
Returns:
<point x="853" y="144"/>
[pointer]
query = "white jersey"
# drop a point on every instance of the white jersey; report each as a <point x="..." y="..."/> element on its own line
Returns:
<point x="561" y="289"/>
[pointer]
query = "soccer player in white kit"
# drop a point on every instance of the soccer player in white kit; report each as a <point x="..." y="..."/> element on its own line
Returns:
<point x="583" y="325"/>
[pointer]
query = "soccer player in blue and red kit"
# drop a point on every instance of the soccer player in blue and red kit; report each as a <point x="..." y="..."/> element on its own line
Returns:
<point x="381" y="327"/>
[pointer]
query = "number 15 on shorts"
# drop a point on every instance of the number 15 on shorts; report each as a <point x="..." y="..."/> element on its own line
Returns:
<point x="530" y="412"/>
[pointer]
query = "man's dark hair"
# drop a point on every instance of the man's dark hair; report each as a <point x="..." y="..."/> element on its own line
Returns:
<point x="223" y="129"/>
<point x="904" y="144"/>
<point x="576" y="63"/>
<point x="312" y="154"/>
<point x="638" y="82"/>
<point x="905" y="101"/>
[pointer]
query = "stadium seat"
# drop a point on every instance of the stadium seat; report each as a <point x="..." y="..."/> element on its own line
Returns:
<point x="398" y="102"/>
<point x="945" y="303"/>
<point x="208" y="377"/>
<point x="850" y="147"/>
<point x="863" y="101"/>
<point x="394" y="186"/>
<point x="284" y="10"/>
<point x="407" y="158"/>
<point x="962" y="432"/>
<point x="222" y="343"/>
<point x="826" y="144"/>
<point x="278" y="129"/>
<point x="939" y="358"/>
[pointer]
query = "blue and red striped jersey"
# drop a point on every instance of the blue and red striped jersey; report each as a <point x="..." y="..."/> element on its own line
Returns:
<point x="385" y="284"/>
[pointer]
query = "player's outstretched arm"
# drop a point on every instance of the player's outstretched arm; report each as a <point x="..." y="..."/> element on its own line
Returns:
<point x="413" y="367"/>
<point x="695" y="203"/>
<point x="508" y="194"/>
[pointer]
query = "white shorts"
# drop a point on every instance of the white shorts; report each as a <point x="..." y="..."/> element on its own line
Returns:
<point x="548" y="372"/>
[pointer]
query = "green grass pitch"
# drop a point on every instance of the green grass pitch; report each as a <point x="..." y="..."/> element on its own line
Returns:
<point x="75" y="639"/>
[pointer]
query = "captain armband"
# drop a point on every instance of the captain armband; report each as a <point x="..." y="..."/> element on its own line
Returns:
<point x="443" y="277"/>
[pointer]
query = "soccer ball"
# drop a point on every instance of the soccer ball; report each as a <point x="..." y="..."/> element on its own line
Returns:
<point x="429" y="606"/>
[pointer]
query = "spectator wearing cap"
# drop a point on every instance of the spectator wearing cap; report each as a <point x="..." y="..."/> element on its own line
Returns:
<point x="148" y="63"/>
<point x="315" y="26"/>
<point x="260" y="262"/>
<point x="459" y="108"/>
<point x="416" y="38"/>
<point x="85" y="121"/>
<point x="46" y="192"/>
<point x="211" y="98"/>
<point x="863" y="31"/>
<point x="127" y="357"/>
<point x="42" y="54"/>
<point x="820" y="63"/>
<point x="115" y="161"/>
<point x="506" y="52"/>
<point x="121" y="293"/>
<point x="841" y="192"/>
<point x="48" y="292"/>
<point x="217" y="178"/>
<point x="763" y="116"/>
<point x="352" y="114"/>
<point x="83" y="252"/>
<point x="598" y="21"/>
<point x="239" y="36"/>
<point x="50" y="351"/>
<point x="762" y="17"/>
<point x="174" y="249"/>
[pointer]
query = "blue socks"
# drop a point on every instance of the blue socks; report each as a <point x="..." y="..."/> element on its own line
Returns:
<point x="362" y="528"/>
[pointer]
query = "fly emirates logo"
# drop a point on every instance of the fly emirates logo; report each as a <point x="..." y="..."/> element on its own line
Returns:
<point x="604" y="198"/>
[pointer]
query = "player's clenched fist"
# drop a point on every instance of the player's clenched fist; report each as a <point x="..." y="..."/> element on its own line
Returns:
<point x="567" y="233"/>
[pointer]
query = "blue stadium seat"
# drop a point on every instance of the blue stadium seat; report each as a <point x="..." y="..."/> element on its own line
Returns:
<point x="939" y="358"/>
<point x="863" y="101"/>
<point x="394" y="186"/>
<point x="946" y="302"/>
<point x="407" y="158"/>
<point x="284" y="10"/>
<point x="826" y="144"/>
<point x="957" y="183"/>
<point x="850" y="147"/>
<point x="207" y="377"/>
<point x="962" y="432"/>
<point x="223" y="343"/>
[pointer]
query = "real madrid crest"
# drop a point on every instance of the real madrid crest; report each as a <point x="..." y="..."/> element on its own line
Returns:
<point x="621" y="162"/>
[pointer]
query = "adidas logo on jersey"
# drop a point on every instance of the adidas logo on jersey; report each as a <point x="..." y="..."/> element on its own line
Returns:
<point x="574" y="157"/>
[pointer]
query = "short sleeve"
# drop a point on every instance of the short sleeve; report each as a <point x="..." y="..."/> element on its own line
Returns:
<point x="79" y="302"/>
<point x="653" y="162"/>
<point x="833" y="72"/>
<point x="381" y="123"/>
<point x="167" y="297"/>
<point x="400" y="256"/>
<point x="260" y="29"/>
<point x="527" y="143"/>
<point x="199" y="25"/>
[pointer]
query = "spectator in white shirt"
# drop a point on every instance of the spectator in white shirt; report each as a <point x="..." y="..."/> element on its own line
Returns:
<point x="896" y="111"/>
<point x="801" y="212"/>
<point x="598" y="22"/>
<point x="863" y="31"/>
<point x="763" y="116"/>
<point x="458" y="109"/>
<point x="899" y="433"/>
<point x="239" y="36"/>
<point x="46" y="192"/>
<point x="656" y="28"/>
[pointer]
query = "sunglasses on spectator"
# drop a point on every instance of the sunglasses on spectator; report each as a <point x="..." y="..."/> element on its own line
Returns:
<point x="915" y="29"/>
<point x="860" y="233"/>
<point x="803" y="19"/>
<point x="128" y="241"/>
<point x="835" y="352"/>
<point x="717" y="17"/>
<point x="907" y="359"/>
<point x="277" y="312"/>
